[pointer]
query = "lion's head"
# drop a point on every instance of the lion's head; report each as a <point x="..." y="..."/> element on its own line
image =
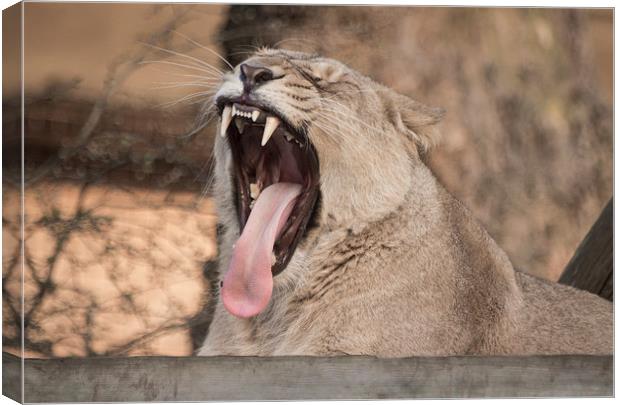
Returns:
<point x="306" y="140"/>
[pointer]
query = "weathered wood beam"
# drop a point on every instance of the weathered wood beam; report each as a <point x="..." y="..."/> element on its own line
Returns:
<point x="139" y="379"/>
<point x="591" y="267"/>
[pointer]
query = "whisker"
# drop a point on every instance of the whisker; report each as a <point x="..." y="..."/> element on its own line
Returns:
<point x="349" y="116"/>
<point x="188" y="97"/>
<point x="313" y="43"/>
<point x="210" y="170"/>
<point x="199" y="127"/>
<point x="206" y="189"/>
<point x="326" y="129"/>
<point x="165" y="62"/>
<point x="177" y="85"/>
<point x="241" y="51"/>
<point x="249" y="46"/>
<point x="205" y="48"/>
<point x="200" y="62"/>
<point x="194" y="76"/>
<point x="198" y="79"/>
<point x="333" y="123"/>
<point x="342" y="116"/>
<point x="211" y="82"/>
<point x="198" y="101"/>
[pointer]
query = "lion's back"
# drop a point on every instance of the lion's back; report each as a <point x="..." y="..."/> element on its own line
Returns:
<point x="560" y="319"/>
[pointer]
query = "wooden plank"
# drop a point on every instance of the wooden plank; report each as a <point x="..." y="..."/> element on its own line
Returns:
<point x="591" y="267"/>
<point x="296" y="378"/>
<point x="11" y="377"/>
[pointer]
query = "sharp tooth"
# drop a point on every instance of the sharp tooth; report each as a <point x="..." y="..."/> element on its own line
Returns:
<point x="234" y="110"/>
<point x="255" y="115"/>
<point x="289" y="137"/>
<point x="270" y="126"/>
<point x="226" y="117"/>
<point x="254" y="190"/>
<point x="240" y="124"/>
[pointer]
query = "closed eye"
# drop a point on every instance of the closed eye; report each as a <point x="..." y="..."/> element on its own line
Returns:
<point x="312" y="77"/>
<point x="309" y="76"/>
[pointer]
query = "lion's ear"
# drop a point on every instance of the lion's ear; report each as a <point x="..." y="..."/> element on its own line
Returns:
<point x="418" y="121"/>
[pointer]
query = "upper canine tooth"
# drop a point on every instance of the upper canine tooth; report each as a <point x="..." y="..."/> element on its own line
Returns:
<point x="226" y="117"/>
<point x="270" y="126"/>
<point x="234" y="110"/>
<point x="255" y="115"/>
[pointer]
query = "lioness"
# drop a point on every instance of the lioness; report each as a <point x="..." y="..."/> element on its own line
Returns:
<point x="337" y="239"/>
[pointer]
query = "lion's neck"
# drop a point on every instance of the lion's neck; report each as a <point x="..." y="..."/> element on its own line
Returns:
<point x="362" y="203"/>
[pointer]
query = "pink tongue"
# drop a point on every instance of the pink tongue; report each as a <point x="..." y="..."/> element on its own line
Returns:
<point x="248" y="282"/>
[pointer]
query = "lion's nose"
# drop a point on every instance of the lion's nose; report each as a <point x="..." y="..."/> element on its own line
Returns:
<point x="254" y="75"/>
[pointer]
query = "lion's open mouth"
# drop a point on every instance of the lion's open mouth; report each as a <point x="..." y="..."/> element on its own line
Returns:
<point x="277" y="186"/>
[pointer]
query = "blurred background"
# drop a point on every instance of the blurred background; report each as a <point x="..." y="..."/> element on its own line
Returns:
<point x="119" y="225"/>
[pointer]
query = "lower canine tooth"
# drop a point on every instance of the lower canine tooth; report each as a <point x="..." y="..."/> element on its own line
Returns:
<point x="270" y="126"/>
<point x="240" y="124"/>
<point x="254" y="190"/>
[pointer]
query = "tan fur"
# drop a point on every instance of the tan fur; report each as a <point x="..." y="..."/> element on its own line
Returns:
<point x="396" y="266"/>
